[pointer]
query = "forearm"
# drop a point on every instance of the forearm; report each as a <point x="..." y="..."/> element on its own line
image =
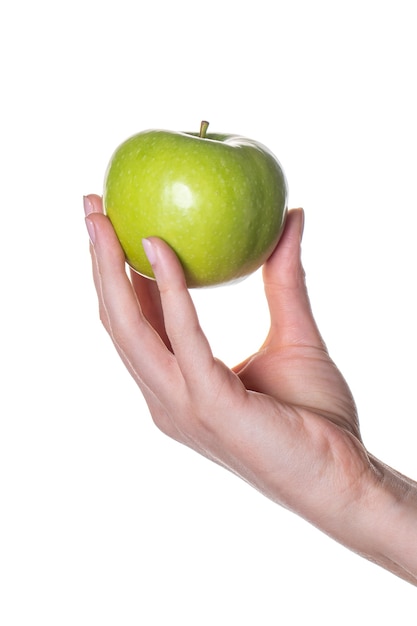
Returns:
<point x="399" y="544"/>
<point x="386" y="528"/>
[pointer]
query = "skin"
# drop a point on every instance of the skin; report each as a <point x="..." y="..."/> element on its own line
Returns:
<point x="284" y="420"/>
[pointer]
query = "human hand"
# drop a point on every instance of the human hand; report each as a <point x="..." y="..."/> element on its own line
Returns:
<point x="275" y="420"/>
<point x="284" y="420"/>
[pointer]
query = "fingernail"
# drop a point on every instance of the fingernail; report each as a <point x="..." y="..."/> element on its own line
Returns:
<point x="91" y="230"/>
<point x="88" y="205"/>
<point x="149" y="251"/>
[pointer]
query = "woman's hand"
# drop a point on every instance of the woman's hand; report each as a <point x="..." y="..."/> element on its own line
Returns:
<point x="284" y="420"/>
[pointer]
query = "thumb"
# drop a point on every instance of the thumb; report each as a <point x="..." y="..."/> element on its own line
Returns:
<point x="292" y="321"/>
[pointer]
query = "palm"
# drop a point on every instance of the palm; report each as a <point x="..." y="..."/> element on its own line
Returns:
<point x="303" y="377"/>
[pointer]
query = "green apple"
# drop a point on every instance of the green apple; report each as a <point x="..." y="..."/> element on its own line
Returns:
<point x="218" y="200"/>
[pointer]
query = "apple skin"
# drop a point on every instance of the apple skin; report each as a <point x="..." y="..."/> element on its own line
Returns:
<point x="218" y="200"/>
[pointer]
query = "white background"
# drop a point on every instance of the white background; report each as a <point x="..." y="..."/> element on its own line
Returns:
<point x="103" y="520"/>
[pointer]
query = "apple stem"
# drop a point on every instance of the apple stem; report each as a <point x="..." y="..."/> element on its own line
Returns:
<point x="203" y="129"/>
